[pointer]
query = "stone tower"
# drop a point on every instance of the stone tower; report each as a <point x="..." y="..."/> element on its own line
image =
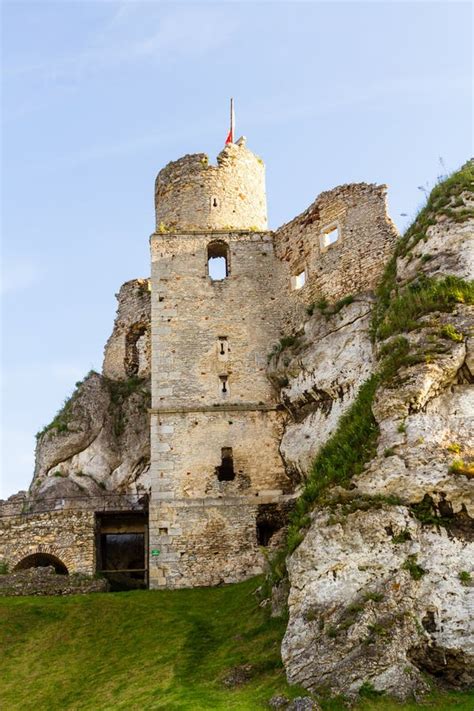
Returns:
<point x="218" y="481"/>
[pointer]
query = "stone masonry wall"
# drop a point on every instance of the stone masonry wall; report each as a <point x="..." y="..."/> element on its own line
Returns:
<point x="191" y="312"/>
<point x="204" y="331"/>
<point x="68" y="535"/>
<point x="127" y="352"/>
<point x="204" y="528"/>
<point x="354" y="263"/>
<point x="190" y="194"/>
<point x="213" y="542"/>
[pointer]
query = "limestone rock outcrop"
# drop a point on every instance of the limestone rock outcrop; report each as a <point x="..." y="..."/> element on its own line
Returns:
<point x="317" y="395"/>
<point x="382" y="585"/>
<point x="99" y="441"/>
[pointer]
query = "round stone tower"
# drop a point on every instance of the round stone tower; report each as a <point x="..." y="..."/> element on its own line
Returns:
<point x="191" y="195"/>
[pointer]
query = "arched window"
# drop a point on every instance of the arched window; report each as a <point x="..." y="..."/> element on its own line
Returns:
<point x="42" y="560"/>
<point x="218" y="260"/>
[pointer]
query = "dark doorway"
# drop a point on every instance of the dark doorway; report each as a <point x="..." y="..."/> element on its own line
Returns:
<point x="122" y="542"/>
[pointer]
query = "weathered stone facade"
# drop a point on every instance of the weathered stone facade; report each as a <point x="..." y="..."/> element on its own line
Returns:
<point x="190" y="194"/>
<point x="355" y="216"/>
<point x="210" y="395"/>
<point x="67" y="535"/>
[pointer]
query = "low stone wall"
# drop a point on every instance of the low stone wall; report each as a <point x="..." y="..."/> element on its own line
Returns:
<point x="45" y="581"/>
<point x="67" y="535"/>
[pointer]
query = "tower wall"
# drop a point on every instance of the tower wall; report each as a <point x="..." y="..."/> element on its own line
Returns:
<point x="205" y="528"/>
<point x="191" y="194"/>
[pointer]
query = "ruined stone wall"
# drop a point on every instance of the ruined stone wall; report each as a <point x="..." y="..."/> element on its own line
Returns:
<point x="67" y="535"/>
<point x="352" y="264"/>
<point x="190" y="194"/>
<point x="194" y="319"/>
<point x="127" y="352"/>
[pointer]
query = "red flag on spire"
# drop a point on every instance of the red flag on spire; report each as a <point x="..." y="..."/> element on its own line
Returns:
<point x="230" y="135"/>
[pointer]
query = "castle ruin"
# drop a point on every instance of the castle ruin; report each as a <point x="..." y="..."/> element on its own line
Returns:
<point x="224" y="291"/>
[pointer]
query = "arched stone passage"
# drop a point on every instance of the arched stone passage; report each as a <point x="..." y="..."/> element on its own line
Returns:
<point x="42" y="560"/>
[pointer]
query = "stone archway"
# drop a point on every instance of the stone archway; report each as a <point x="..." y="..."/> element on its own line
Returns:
<point x="41" y="560"/>
<point x="58" y="555"/>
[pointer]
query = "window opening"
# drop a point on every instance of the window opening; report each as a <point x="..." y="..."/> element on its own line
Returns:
<point x="330" y="237"/>
<point x="218" y="260"/>
<point x="225" y="472"/>
<point x="214" y="202"/>
<point x="298" y="280"/>
<point x="224" y="385"/>
<point x="222" y="347"/>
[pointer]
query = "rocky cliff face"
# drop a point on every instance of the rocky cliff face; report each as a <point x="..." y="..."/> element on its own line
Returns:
<point x="99" y="441"/>
<point x="381" y="586"/>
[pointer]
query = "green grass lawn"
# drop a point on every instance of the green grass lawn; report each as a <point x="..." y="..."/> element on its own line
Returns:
<point x="150" y="650"/>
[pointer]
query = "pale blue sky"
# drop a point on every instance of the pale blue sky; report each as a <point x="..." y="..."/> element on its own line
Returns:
<point x="99" y="96"/>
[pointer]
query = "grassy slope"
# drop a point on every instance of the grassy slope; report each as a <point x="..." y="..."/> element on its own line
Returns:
<point x="149" y="650"/>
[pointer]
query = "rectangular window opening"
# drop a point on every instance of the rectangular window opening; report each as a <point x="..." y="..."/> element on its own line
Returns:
<point x="329" y="237"/>
<point x="222" y="347"/>
<point x="224" y="385"/>
<point x="298" y="280"/>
